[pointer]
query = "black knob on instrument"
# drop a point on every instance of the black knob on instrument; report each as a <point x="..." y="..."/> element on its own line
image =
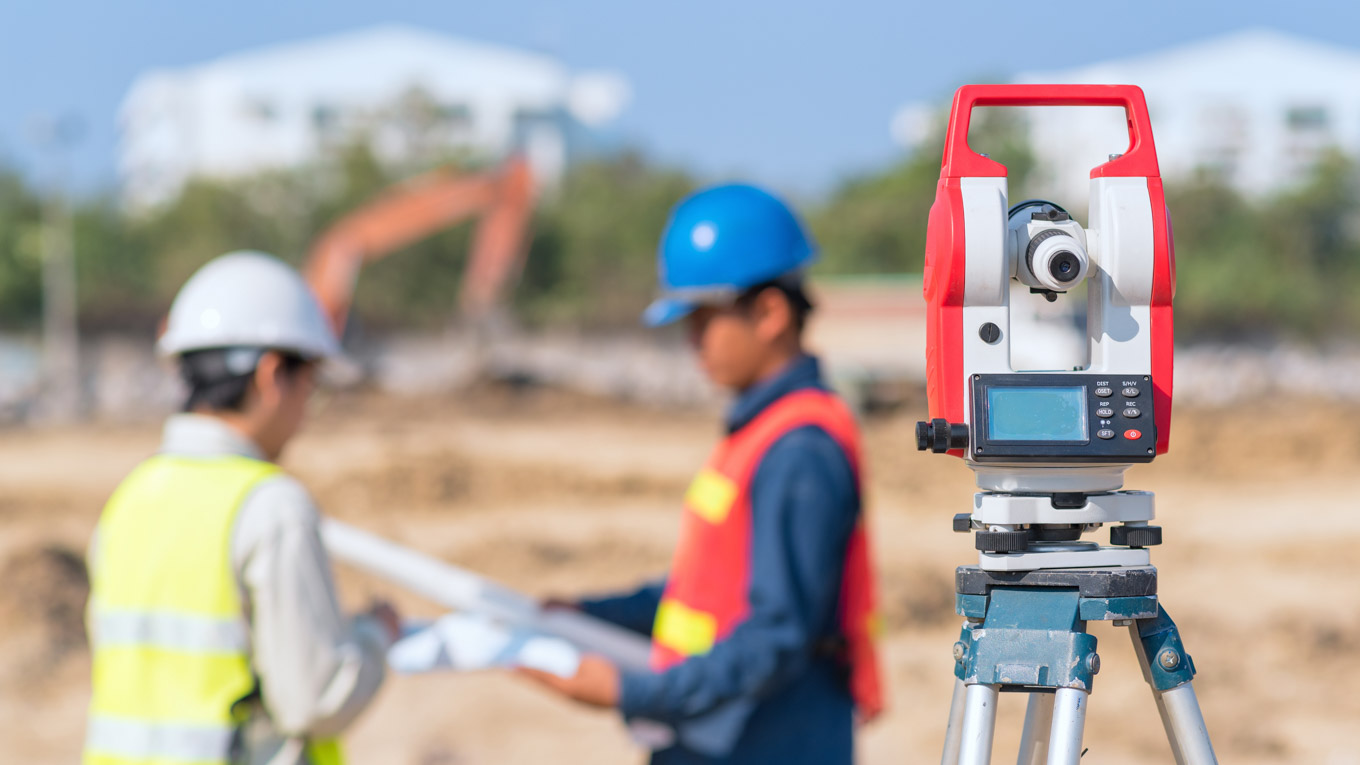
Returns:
<point x="939" y="435"/>
<point x="1001" y="541"/>
<point x="923" y="436"/>
<point x="1135" y="536"/>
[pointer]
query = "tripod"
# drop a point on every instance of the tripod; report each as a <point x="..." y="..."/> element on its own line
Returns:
<point x="1026" y="631"/>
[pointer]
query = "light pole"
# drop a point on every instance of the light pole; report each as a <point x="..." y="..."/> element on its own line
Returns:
<point x="61" y="398"/>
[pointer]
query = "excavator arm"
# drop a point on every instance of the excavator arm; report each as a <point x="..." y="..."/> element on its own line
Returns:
<point x="418" y="208"/>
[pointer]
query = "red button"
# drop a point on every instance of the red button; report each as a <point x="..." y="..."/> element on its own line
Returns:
<point x="1133" y="435"/>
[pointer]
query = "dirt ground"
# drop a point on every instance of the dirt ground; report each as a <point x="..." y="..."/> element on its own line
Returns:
<point x="558" y="494"/>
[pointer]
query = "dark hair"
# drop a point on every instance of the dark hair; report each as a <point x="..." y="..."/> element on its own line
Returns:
<point x="219" y="378"/>
<point x="800" y="305"/>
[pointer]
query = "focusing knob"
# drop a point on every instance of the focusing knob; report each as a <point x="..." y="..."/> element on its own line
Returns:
<point x="1135" y="536"/>
<point x="922" y="436"/>
<point x="939" y="435"/>
<point x="1001" y="541"/>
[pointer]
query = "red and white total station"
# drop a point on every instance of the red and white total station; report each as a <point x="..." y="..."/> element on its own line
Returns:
<point x="1049" y="447"/>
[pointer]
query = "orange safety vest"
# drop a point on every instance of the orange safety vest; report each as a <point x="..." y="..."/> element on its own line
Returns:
<point x="706" y="592"/>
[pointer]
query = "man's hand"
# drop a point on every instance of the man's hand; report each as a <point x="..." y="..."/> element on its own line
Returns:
<point x="596" y="681"/>
<point x="388" y="617"/>
<point x="559" y="604"/>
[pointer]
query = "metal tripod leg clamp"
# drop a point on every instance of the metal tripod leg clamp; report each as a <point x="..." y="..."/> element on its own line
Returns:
<point x="1026" y="631"/>
<point x="1168" y="663"/>
<point x="1030" y="638"/>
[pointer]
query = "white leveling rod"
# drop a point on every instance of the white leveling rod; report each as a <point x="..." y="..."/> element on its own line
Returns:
<point x="462" y="590"/>
<point x="1049" y="446"/>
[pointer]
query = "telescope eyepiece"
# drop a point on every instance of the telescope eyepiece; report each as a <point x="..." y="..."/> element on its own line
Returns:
<point x="1064" y="266"/>
<point x="1056" y="259"/>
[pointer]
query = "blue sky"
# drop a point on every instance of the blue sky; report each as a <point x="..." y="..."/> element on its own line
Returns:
<point x="797" y="95"/>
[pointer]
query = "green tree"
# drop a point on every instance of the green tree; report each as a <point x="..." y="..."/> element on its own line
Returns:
<point x="876" y="223"/>
<point x="593" y="254"/>
<point x="115" y="271"/>
<point x="1284" y="266"/>
<point x="20" y="251"/>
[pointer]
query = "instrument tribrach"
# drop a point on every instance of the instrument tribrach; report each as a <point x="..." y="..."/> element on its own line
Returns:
<point x="1049" y="448"/>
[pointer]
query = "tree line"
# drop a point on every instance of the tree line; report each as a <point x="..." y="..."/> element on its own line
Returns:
<point x="1286" y="266"/>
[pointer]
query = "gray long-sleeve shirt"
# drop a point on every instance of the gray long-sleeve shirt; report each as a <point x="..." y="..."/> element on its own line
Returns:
<point x="317" y="669"/>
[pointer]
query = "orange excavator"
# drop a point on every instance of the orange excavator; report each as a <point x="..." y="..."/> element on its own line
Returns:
<point x="417" y="208"/>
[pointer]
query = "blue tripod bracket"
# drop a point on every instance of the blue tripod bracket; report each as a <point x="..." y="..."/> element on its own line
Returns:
<point x="1027" y="630"/>
<point x="1168" y="664"/>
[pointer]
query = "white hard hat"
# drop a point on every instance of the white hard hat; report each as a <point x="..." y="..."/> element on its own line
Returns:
<point x="251" y="299"/>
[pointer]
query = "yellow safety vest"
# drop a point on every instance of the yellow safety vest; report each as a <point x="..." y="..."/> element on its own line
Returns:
<point x="170" y="639"/>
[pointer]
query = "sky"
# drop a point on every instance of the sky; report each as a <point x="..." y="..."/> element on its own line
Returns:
<point x="795" y="95"/>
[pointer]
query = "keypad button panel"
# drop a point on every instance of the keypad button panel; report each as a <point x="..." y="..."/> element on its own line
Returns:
<point x="1119" y="420"/>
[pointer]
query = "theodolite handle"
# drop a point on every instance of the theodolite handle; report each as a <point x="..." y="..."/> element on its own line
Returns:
<point x="1139" y="160"/>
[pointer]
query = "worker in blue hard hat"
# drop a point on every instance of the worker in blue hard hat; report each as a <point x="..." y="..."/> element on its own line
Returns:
<point x="763" y="629"/>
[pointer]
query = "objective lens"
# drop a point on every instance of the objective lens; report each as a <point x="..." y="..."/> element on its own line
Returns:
<point x="1064" y="266"/>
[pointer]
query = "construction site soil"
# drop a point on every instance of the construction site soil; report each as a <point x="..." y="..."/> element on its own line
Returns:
<point x="558" y="494"/>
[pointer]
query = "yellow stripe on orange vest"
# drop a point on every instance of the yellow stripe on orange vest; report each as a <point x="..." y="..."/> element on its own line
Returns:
<point x="684" y="630"/>
<point x="711" y="495"/>
<point x="873" y="625"/>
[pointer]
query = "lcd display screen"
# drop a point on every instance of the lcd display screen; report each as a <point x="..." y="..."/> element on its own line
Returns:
<point x="1036" y="414"/>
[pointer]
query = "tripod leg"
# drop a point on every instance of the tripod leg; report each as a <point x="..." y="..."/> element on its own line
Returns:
<point x="1166" y="726"/>
<point x="1141" y="652"/>
<point x="1069" y="718"/>
<point x="954" y="733"/>
<point x="1168" y="669"/>
<point x="1186" y="726"/>
<point x="1038" y="722"/>
<point x="979" y="723"/>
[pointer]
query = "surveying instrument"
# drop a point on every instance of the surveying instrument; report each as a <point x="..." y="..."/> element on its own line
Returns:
<point x="1049" y="448"/>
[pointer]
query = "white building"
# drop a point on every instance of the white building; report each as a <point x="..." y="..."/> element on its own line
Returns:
<point x="1257" y="108"/>
<point x="411" y="92"/>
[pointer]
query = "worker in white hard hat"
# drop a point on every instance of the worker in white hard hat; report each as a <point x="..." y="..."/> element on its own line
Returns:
<point x="214" y="626"/>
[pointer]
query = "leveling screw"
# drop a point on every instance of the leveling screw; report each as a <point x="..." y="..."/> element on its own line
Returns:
<point x="959" y="650"/>
<point x="1169" y="659"/>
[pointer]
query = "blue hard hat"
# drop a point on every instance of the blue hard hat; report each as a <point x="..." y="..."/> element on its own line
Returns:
<point x="720" y="241"/>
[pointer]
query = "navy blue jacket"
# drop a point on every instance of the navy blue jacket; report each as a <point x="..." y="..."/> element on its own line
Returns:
<point x="765" y="693"/>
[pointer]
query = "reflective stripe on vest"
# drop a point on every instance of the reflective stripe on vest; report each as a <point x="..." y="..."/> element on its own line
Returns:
<point x="683" y="629"/>
<point x="111" y="740"/>
<point x="707" y="589"/>
<point x="170" y="642"/>
<point x="711" y="495"/>
<point x="172" y="632"/>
